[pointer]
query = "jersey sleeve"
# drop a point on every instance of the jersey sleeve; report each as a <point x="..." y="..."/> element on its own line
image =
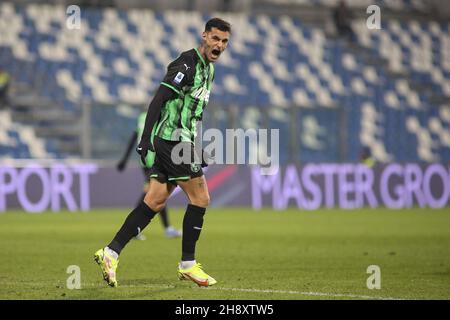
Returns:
<point x="179" y="73"/>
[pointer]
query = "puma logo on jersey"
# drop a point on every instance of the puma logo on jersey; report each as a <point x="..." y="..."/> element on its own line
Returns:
<point x="201" y="93"/>
<point x="187" y="67"/>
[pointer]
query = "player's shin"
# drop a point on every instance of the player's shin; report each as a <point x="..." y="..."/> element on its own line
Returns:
<point x="164" y="218"/>
<point x="136" y="221"/>
<point x="192" y="226"/>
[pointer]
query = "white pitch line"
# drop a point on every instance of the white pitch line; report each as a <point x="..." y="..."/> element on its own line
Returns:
<point x="249" y="290"/>
<point x="303" y="293"/>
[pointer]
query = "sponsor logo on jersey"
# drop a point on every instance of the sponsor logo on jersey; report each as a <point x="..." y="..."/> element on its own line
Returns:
<point x="178" y="78"/>
<point x="201" y="93"/>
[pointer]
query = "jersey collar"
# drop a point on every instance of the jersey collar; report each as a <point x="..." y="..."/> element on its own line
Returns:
<point x="201" y="58"/>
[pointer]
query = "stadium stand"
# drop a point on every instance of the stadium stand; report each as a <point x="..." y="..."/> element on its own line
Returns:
<point x="387" y="91"/>
<point x="409" y="5"/>
<point x="20" y="141"/>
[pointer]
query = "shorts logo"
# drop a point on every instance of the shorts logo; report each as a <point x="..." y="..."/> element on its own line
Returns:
<point x="195" y="167"/>
<point x="178" y="78"/>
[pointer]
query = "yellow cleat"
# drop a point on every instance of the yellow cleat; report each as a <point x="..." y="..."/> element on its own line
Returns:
<point x="196" y="274"/>
<point x="108" y="264"/>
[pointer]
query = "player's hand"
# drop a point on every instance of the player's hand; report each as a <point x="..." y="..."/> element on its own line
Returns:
<point x="142" y="149"/>
<point x="206" y="158"/>
<point x="121" y="166"/>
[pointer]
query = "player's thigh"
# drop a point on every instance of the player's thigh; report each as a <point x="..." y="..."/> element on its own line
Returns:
<point x="197" y="191"/>
<point x="157" y="194"/>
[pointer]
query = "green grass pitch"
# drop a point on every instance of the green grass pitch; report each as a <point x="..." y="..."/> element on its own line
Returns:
<point x="266" y="254"/>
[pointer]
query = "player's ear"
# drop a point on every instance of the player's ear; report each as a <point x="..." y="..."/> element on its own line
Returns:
<point x="204" y="35"/>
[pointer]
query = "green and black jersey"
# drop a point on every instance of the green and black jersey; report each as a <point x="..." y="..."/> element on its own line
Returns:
<point x="191" y="78"/>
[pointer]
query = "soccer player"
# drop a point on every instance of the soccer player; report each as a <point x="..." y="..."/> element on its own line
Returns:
<point x="169" y="230"/>
<point x="172" y="118"/>
<point x="366" y="157"/>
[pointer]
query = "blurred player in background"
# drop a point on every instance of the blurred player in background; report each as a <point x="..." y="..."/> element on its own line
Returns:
<point x="5" y="80"/>
<point x="172" y="119"/>
<point x="342" y="17"/>
<point x="169" y="231"/>
<point x="365" y="157"/>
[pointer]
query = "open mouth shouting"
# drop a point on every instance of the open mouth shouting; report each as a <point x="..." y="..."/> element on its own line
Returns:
<point x="215" y="53"/>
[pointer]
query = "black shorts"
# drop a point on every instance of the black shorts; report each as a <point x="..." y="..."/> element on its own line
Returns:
<point x="164" y="170"/>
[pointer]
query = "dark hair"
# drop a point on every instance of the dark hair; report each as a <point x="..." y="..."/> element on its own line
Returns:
<point x="218" y="23"/>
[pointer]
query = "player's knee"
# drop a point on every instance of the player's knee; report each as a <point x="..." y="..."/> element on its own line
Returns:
<point x="201" y="201"/>
<point x="156" y="204"/>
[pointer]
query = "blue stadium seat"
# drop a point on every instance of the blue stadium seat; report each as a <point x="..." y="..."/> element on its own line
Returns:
<point x="315" y="65"/>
